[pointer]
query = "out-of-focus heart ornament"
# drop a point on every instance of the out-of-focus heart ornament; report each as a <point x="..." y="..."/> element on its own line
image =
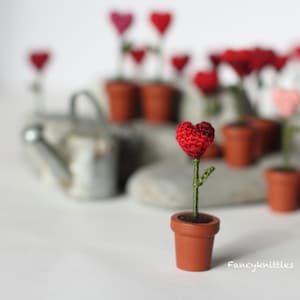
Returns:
<point x="39" y="59"/>
<point x="179" y="62"/>
<point x="121" y="21"/>
<point x="286" y="101"/>
<point x="161" y="21"/>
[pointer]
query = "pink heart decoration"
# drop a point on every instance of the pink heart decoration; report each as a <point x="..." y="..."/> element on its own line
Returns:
<point x="121" y="21"/>
<point x="286" y="101"/>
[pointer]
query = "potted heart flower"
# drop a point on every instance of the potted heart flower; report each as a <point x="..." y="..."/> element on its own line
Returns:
<point x="283" y="182"/>
<point x="239" y="136"/>
<point x="194" y="231"/>
<point x="121" y="92"/>
<point x="39" y="60"/>
<point x="157" y="96"/>
<point x="267" y="130"/>
<point x="207" y="82"/>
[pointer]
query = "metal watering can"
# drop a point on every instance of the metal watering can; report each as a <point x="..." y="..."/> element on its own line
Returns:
<point x="86" y="160"/>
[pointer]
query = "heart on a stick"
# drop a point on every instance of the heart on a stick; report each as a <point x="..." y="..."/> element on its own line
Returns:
<point x="121" y="21"/>
<point x="194" y="139"/>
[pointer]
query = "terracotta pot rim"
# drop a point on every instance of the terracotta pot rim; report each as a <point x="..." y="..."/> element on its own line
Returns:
<point x="157" y="85"/>
<point x="273" y="171"/>
<point x="195" y="229"/>
<point x="126" y="83"/>
<point x="238" y="130"/>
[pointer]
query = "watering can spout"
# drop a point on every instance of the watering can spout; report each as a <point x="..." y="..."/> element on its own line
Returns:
<point x="34" y="137"/>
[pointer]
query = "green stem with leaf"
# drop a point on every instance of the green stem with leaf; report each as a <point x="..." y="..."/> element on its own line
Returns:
<point x="197" y="182"/>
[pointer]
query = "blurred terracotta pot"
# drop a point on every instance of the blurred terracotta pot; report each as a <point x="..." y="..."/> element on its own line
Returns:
<point x="122" y="100"/>
<point x="283" y="189"/>
<point x="238" y="145"/>
<point x="213" y="151"/>
<point x="194" y="241"/>
<point x="157" y="102"/>
<point x="267" y="138"/>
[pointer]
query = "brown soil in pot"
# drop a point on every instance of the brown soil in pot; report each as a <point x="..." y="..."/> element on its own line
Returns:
<point x="194" y="241"/>
<point x="122" y="98"/>
<point x="283" y="189"/>
<point x="158" y="102"/>
<point x="238" y="144"/>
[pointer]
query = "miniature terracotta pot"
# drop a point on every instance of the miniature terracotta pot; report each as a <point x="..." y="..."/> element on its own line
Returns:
<point x="157" y="102"/>
<point x="267" y="136"/>
<point x="194" y="241"/>
<point x="122" y="100"/>
<point x="213" y="151"/>
<point x="283" y="189"/>
<point x="238" y="145"/>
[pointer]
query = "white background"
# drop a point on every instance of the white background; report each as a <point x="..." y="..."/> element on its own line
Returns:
<point x="84" y="44"/>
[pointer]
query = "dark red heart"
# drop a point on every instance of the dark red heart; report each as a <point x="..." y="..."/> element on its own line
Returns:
<point x="179" y="62"/>
<point x="195" y="139"/>
<point x="279" y="61"/>
<point x="138" y="55"/>
<point x="121" y="21"/>
<point x="39" y="59"/>
<point x="161" y="21"/>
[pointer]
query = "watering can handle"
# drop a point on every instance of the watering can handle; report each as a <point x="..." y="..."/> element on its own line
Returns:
<point x="100" y="116"/>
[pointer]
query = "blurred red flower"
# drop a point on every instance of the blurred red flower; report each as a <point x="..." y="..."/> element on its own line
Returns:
<point x="39" y="59"/>
<point x="206" y="81"/>
<point x="179" y="62"/>
<point x="121" y="21"/>
<point x="261" y="58"/>
<point x="239" y="60"/>
<point x="279" y="61"/>
<point x="138" y="54"/>
<point x="161" y="21"/>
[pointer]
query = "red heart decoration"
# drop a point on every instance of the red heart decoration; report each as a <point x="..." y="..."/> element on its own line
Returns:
<point x="161" y="21"/>
<point x="179" y="62"/>
<point x="206" y="81"/>
<point x="138" y="55"/>
<point x="121" y="21"/>
<point x="39" y="59"/>
<point x="279" y="61"/>
<point x="195" y="139"/>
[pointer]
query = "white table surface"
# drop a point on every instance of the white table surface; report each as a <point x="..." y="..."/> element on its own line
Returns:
<point x="52" y="247"/>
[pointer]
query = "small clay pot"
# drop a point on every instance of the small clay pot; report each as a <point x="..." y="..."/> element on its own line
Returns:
<point x="157" y="102"/>
<point x="194" y="241"/>
<point x="283" y="189"/>
<point x="267" y="136"/>
<point x="213" y="151"/>
<point x="238" y="145"/>
<point x="122" y="96"/>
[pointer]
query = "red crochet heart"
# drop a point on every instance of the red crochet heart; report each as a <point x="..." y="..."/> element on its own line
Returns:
<point x="179" y="62"/>
<point x="138" y="55"/>
<point x="39" y="59"/>
<point x="161" y="21"/>
<point x="194" y="139"/>
<point x="121" y="21"/>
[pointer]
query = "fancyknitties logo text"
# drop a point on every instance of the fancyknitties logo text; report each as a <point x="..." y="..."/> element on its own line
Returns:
<point x="263" y="265"/>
